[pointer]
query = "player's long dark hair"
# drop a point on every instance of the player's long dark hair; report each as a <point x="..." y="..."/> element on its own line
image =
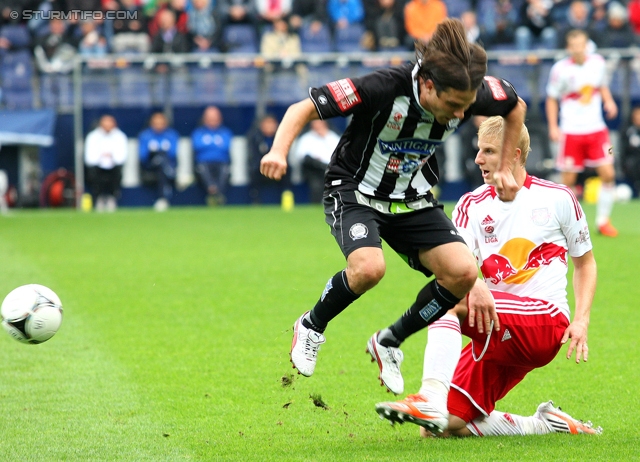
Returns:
<point x="449" y="60"/>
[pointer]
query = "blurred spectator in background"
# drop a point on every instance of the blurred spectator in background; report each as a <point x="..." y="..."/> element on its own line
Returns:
<point x="39" y="25"/>
<point x="237" y="12"/>
<point x="598" y="15"/>
<point x="259" y="142"/>
<point x="169" y="39"/>
<point x="470" y="23"/>
<point x="345" y="12"/>
<point x="130" y="30"/>
<point x="312" y="13"/>
<point x="631" y="150"/>
<point x="105" y="152"/>
<point x="497" y="20"/>
<point x="384" y="22"/>
<point x="313" y="151"/>
<point x="179" y="9"/>
<point x="14" y="37"/>
<point x="270" y="11"/>
<point x="74" y="20"/>
<point x="55" y="51"/>
<point x="280" y="42"/>
<point x="577" y="18"/>
<point x="536" y="26"/>
<point x="92" y="43"/>
<point x="158" y="148"/>
<point x="7" y="7"/>
<point x="560" y="11"/>
<point x="421" y="18"/>
<point x="618" y="32"/>
<point x="211" y="144"/>
<point x="203" y="25"/>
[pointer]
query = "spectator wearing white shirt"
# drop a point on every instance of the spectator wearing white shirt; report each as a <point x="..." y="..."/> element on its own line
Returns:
<point x="314" y="150"/>
<point x="105" y="152"/>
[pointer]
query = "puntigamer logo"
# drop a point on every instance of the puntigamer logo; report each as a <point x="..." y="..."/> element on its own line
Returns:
<point x="409" y="146"/>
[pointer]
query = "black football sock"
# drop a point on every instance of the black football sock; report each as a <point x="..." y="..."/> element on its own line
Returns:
<point x="336" y="297"/>
<point x="432" y="302"/>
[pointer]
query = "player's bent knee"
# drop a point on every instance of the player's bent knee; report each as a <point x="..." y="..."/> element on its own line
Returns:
<point x="460" y="280"/>
<point x="364" y="277"/>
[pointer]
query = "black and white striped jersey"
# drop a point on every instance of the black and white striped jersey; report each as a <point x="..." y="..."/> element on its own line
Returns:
<point x="387" y="149"/>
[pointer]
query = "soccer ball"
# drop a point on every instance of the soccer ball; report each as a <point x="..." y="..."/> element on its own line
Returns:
<point x="31" y="313"/>
<point x="624" y="193"/>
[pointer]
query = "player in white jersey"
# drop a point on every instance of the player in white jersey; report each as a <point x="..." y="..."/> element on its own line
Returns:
<point x="522" y="249"/>
<point x="578" y="87"/>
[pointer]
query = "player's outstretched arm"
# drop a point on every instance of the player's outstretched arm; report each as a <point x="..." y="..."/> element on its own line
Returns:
<point x="551" y="108"/>
<point x="584" y="287"/>
<point x="274" y="163"/>
<point x="506" y="185"/>
<point x="609" y="104"/>
<point x="482" y="308"/>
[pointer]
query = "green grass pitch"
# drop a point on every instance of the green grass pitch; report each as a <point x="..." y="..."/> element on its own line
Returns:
<point x="177" y="328"/>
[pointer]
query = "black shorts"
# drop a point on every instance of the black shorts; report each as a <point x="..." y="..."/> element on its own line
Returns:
<point x="357" y="221"/>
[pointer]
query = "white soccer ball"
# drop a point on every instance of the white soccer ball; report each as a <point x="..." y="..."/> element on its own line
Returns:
<point x="31" y="313"/>
<point x="624" y="193"/>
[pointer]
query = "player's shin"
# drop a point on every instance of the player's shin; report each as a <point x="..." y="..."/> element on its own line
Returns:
<point x="441" y="355"/>
<point x="337" y="295"/>
<point x="432" y="302"/>
<point x="604" y="206"/>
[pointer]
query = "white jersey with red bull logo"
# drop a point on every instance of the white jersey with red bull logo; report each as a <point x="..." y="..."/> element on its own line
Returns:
<point x="577" y="88"/>
<point x="522" y="246"/>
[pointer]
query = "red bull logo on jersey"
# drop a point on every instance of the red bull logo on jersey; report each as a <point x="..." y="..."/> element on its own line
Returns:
<point x="519" y="259"/>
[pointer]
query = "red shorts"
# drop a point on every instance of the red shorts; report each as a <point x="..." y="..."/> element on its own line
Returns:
<point x="529" y="337"/>
<point x="575" y="152"/>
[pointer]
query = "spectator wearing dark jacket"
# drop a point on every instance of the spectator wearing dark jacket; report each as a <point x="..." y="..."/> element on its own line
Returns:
<point x="169" y="39"/>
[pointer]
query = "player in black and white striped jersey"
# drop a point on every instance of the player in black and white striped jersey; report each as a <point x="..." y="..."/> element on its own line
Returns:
<point x="379" y="180"/>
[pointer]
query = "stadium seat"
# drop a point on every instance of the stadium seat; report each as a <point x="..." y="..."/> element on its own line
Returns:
<point x="180" y="88"/>
<point x="21" y="98"/>
<point x="17" y="34"/>
<point x="285" y="87"/>
<point x="97" y="90"/>
<point x="208" y="85"/>
<point x="348" y="38"/>
<point x="135" y="87"/>
<point x="544" y="69"/>
<point x="519" y="75"/>
<point x="315" y="42"/>
<point x="456" y="7"/>
<point x="320" y="75"/>
<point x="240" y="38"/>
<point x="16" y="70"/>
<point x="56" y="91"/>
<point x="242" y="85"/>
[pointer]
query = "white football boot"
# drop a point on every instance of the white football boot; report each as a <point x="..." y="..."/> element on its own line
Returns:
<point x="389" y="360"/>
<point x="561" y="422"/>
<point x="304" y="347"/>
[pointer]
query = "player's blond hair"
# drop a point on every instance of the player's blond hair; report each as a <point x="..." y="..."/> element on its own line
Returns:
<point x="493" y="129"/>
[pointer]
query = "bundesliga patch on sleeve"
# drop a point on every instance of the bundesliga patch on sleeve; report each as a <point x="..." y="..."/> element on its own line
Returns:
<point x="496" y="88"/>
<point x="344" y="93"/>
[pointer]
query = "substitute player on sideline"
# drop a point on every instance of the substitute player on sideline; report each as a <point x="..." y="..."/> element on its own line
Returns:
<point x="578" y="86"/>
<point x="522" y="249"/>
<point x="379" y="180"/>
